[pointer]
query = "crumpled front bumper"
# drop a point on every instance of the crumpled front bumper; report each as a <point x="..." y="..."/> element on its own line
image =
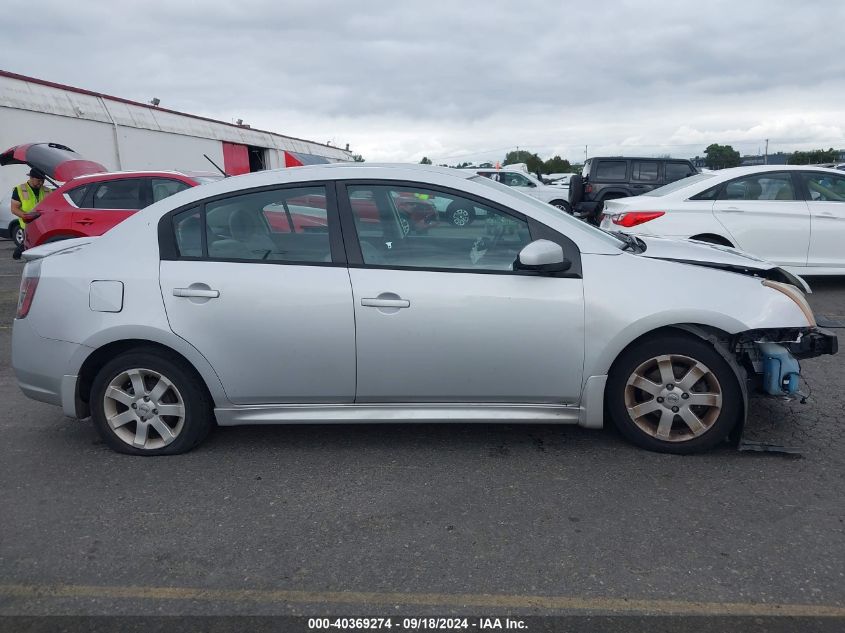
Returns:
<point x="816" y="342"/>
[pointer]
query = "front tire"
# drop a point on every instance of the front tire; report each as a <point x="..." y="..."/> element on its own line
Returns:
<point x="673" y="394"/>
<point x="150" y="403"/>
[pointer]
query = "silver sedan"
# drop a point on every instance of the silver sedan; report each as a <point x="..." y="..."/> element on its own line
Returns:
<point x="343" y="293"/>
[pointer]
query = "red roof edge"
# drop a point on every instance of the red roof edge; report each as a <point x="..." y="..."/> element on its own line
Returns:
<point x="91" y="93"/>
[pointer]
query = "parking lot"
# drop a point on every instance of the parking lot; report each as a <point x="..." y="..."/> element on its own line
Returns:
<point x="383" y="519"/>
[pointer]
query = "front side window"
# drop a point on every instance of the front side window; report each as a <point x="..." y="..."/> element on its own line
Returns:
<point x="644" y="171"/>
<point x="166" y="187"/>
<point x="825" y="187"/>
<point x="768" y="186"/>
<point x="516" y="180"/>
<point x="289" y="225"/>
<point x="611" y="170"/>
<point x="441" y="231"/>
<point x="119" y="194"/>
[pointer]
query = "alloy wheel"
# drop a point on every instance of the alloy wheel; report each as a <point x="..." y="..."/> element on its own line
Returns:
<point x="673" y="398"/>
<point x="460" y="217"/>
<point x="144" y="408"/>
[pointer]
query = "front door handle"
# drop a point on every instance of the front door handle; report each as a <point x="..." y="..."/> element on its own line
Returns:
<point x="196" y="292"/>
<point x="732" y="210"/>
<point x="385" y="303"/>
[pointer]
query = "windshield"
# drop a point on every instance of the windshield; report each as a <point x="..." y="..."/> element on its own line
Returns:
<point x="678" y="184"/>
<point x="546" y="208"/>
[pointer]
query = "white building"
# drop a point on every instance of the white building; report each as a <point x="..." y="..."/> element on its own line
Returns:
<point x="128" y="135"/>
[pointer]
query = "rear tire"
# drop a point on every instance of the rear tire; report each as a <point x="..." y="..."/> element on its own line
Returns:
<point x="16" y="233"/>
<point x="712" y="239"/>
<point x="563" y="205"/>
<point x="130" y="394"/>
<point x="460" y="214"/>
<point x="673" y="394"/>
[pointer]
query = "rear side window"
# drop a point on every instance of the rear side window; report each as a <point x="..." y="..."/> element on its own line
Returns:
<point x="119" y="194"/>
<point x="611" y="170"/>
<point x="187" y="226"/>
<point x="676" y="171"/>
<point x="78" y="195"/>
<point x="289" y="225"/>
<point x="644" y="171"/>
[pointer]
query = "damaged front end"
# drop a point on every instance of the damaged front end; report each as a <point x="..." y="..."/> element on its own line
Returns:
<point x="770" y="356"/>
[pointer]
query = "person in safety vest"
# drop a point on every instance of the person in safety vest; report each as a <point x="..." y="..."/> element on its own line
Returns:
<point x="24" y="198"/>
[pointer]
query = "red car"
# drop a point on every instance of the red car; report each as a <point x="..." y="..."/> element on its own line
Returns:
<point x="416" y="214"/>
<point x="92" y="200"/>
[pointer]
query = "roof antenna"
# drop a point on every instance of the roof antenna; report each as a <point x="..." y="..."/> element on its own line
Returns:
<point x="225" y="175"/>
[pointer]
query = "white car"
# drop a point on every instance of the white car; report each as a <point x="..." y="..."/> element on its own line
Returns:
<point x="525" y="182"/>
<point x="790" y="215"/>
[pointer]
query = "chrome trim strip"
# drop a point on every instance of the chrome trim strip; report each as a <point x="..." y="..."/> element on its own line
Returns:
<point x="376" y="413"/>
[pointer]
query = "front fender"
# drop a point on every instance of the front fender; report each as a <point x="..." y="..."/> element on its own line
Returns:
<point x="627" y="299"/>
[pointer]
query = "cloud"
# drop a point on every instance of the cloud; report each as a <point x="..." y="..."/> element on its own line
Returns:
<point x="399" y="80"/>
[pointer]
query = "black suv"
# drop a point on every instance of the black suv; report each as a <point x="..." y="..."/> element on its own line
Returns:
<point x="606" y="178"/>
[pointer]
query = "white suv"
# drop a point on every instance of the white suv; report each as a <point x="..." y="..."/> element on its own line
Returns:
<point x="520" y="179"/>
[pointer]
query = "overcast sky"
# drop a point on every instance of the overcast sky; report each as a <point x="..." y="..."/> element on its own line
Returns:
<point x="462" y="80"/>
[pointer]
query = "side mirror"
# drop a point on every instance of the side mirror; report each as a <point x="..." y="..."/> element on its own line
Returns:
<point x="542" y="256"/>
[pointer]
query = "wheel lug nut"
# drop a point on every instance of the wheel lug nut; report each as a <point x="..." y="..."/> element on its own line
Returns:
<point x="146" y="398"/>
<point x="155" y="411"/>
<point x="660" y="398"/>
<point x="685" y="396"/>
<point x="675" y="409"/>
<point x="134" y="405"/>
<point x="670" y="387"/>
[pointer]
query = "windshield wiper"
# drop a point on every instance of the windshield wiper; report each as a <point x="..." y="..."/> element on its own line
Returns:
<point x="634" y="244"/>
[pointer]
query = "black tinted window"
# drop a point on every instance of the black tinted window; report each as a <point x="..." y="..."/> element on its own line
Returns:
<point x="610" y="170"/>
<point x="78" y="195"/>
<point x="644" y="171"/>
<point x="676" y="171"/>
<point x="118" y="194"/>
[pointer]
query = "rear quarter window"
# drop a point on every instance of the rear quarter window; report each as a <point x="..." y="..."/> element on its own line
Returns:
<point x="610" y="170"/>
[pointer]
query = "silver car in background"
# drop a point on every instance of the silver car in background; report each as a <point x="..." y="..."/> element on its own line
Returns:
<point x="300" y="296"/>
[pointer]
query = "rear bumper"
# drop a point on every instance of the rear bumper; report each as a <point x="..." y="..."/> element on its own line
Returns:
<point x="817" y="342"/>
<point x="43" y="366"/>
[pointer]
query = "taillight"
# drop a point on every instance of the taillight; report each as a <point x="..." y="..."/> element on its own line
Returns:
<point x="28" y="286"/>
<point x="588" y="188"/>
<point x="633" y="218"/>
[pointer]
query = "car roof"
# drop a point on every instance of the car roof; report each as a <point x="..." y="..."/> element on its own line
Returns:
<point x="652" y="158"/>
<point x="111" y="175"/>
<point x="731" y="172"/>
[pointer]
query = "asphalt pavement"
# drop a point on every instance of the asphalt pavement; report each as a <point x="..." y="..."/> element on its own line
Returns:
<point x="427" y="519"/>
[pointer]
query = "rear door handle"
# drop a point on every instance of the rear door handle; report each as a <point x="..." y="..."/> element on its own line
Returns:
<point x="385" y="303"/>
<point x="196" y="292"/>
<point x="85" y="221"/>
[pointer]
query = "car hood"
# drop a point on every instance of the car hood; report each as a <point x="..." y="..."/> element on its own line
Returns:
<point x="57" y="161"/>
<point x="716" y="256"/>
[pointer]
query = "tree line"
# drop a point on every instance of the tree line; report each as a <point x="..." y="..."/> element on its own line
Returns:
<point x="715" y="157"/>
